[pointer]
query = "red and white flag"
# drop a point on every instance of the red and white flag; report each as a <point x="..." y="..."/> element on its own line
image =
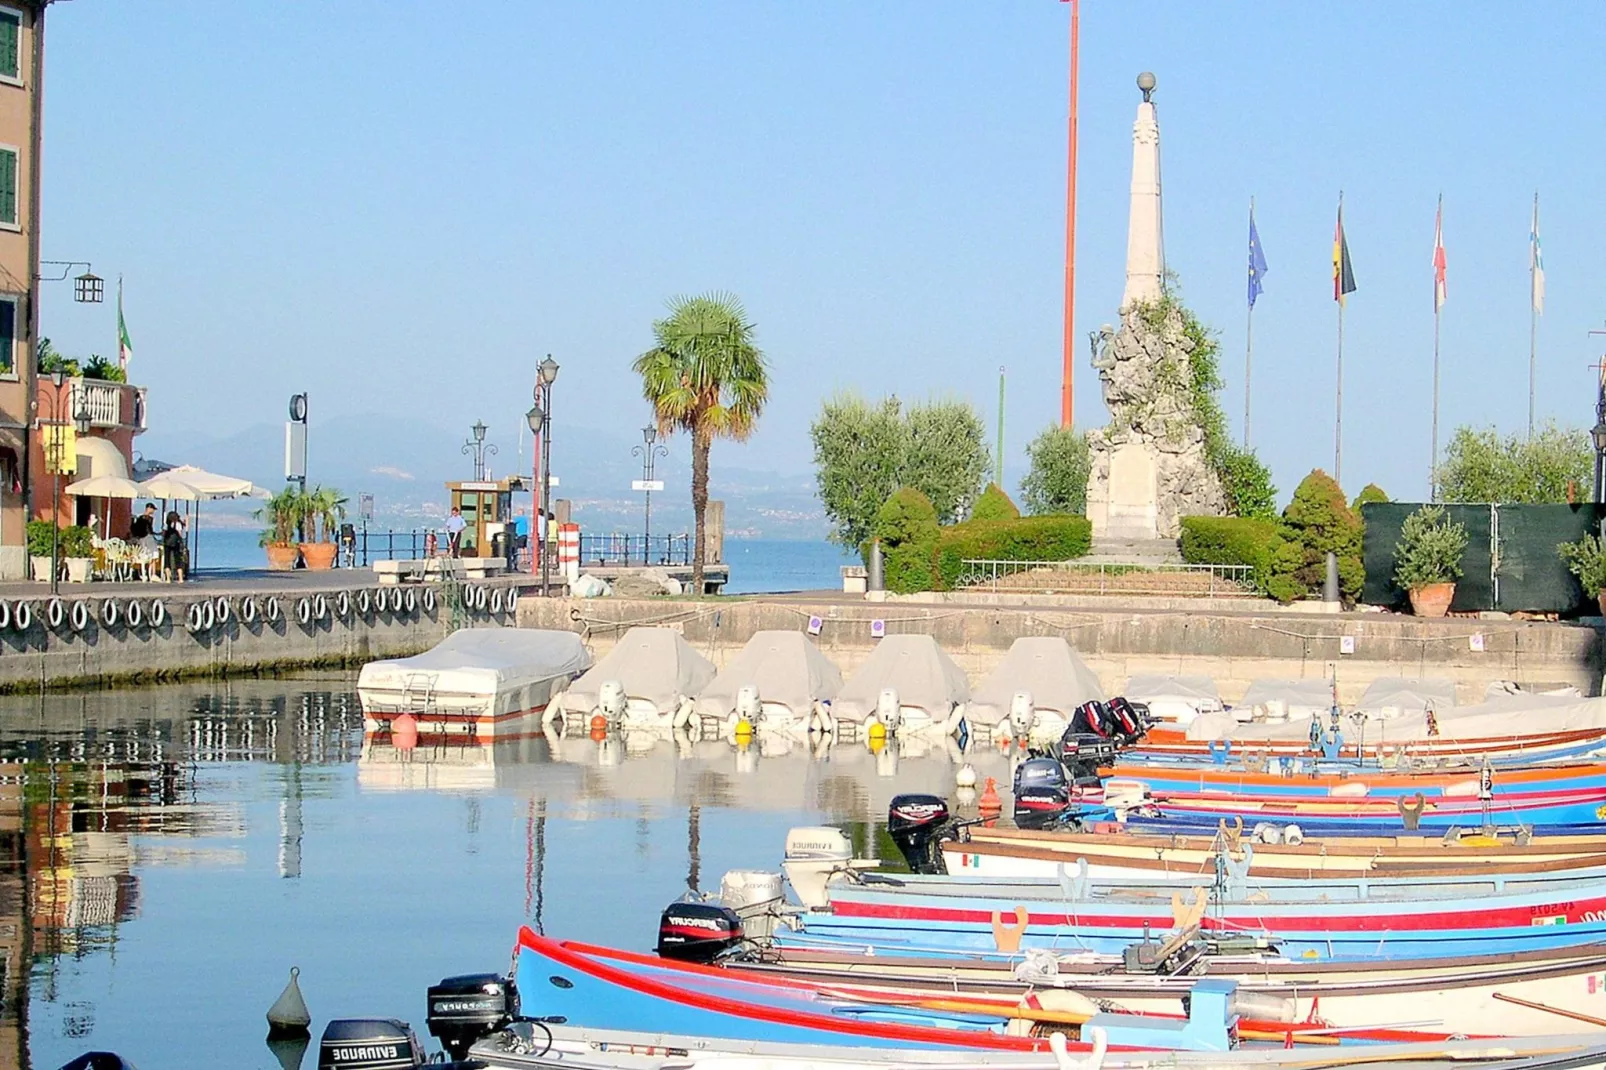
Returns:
<point x="1440" y="287"/>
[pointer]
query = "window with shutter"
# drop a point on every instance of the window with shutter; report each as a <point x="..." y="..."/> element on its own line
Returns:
<point x="10" y="45"/>
<point x="8" y="336"/>
<point x="8" y="186"/>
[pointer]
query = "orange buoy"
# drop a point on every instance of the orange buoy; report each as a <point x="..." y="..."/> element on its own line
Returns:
<point x="599" y="732"/>
<point x="599" y="722"/>
<point x="989" y="805"/>
<point x="404" y="732"/>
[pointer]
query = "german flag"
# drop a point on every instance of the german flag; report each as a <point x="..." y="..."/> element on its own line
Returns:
<point x="1343" y="274"/>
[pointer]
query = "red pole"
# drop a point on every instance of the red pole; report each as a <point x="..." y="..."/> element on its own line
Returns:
<point x="1067" y="391"/>
<point x="537" y="528"/>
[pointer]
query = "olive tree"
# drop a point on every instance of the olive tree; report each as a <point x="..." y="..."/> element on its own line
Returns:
<point x="1481" y="465"/>
<point x="1057" y="479"/>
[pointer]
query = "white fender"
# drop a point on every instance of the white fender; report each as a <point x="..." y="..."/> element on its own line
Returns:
<point x="395" y="599"/>
<point x="248" y="610"/>
<point x="192" y="617"/>
<point x="481" y="598"/>
<point x="5" y="615"/>
<point x="108" y="613"/>
<point x="412" y="601"/>
<point x="429" y="600"/>
<point x="320" y="607"/>
<point x="158" y="614"/>
<point x="271" y="608"/>
<point x="135" y="615"/>
<point x="363" y="602"/>
<point x="223" y="610"/>
<point x="208" y="616"/>
<point x="56" y="612"/>
<point x="80" y="616"/>
<point x="343" y="604"/>
<point x="303" y="610"/>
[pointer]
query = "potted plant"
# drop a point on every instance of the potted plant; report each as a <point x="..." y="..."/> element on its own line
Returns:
<point x="324" y="510"/>
<point x="41" y="544"/>
<point x="78" y="548"/>
<point x="1427" y="560"/>
<point x="282" y="512"/>
<point x="1586" y="559"/>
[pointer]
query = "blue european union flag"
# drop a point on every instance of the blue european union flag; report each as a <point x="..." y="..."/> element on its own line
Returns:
<point x="1257" y="261"/>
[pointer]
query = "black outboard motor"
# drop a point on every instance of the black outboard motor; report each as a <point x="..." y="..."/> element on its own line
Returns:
<point x="1042" y="793"/>
<point x="697" y="932"/>
<point x="1132" y="723"/>
<point x="1091" y="718"/>
<point x="1083" y="754"/>
<point x="369" y="1044"/>
<point x="918" y="824"/>
<point x="466" y="1009"/>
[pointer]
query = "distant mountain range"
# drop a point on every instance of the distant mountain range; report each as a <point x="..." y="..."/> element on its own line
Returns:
<point x="405" y="463"/>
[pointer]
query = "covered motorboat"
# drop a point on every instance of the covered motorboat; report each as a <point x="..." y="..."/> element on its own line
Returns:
<point x="478" y="682"/>
<point x="1034" y="691"/>
<point x="1174" y="698"/>
<point x="907" y="684"/>
<point x="646" y="681"/>
<point x="779" y="681"/>
<point x="1283" y="700"/>
<point x="1389" y="696"/>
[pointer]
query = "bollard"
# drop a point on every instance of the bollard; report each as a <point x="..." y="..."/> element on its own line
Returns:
<point x="875" y="584"/>
<point x="1330" y="587"/>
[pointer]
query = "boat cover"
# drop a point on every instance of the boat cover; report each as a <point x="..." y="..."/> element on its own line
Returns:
<point x="1175" y="698"/>
<point x="656" y="665"/>
<point x="1390" y="696"/>
<point x="924" y="677"/>
<point x="787" y="669"/>
<point x="1505" y="715"/>
<point x="1044" y="666"/>
<point x="483" y="661"/>
<point x="1299" y="698"/>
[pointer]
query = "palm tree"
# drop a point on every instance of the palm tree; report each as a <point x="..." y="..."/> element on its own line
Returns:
<point x="707" y="377"/>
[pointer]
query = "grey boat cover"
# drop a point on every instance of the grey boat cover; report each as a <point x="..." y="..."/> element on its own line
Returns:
<point x="1174" y="698"/>
<point x="924" y="677"/>
<point x="1506" y="715"/>
<point x="1044" y="666"/>
<point x="482" y="661"/>
<point x="1300" y="698"/>
<point x="786" y="667"/>
<point x="1390" y="696"/>
<point x="656" y="665"/>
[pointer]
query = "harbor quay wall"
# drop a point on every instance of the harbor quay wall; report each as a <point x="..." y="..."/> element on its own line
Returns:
<point x="43" y="656"/>
<point x="1233" y="648"/>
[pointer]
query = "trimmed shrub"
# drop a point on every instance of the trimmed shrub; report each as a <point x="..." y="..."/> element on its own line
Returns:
<point x="1033" y="538"/>
<point x="77" y="541"/>
<point x="994" y="504"/>
<point x="1247" y="483"/>
<point x="1369" y="494"/>
<point x="1263" y="545"/>
<point x="907" y="528"/>
<point x="1320" y="519"/>
<point x="41" y="536"/>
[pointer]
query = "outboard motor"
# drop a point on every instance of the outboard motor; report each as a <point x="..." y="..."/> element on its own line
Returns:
<point x="748" y="706"/>
<point x="918" y="824"/>
<point x="1089" y="718"/>
<point x="466" y="1009"/>
<point x="888" y="709"/>
<point x="612" y="700"/>
<point x="1084" y="754"/>
<point x="1131" y="724"/>
<point x="369" y="1044"/>
<point x="697" y="932"/>
<point x="1022" y="714"/>
<point x="1042" y="793"/>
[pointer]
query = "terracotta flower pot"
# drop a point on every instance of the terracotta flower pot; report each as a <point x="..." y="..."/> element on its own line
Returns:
<point x="1432" y="599"/>
<point x="282" y="556"/>
<point x="1600" y="599"/>
<point x="319" y="555"/>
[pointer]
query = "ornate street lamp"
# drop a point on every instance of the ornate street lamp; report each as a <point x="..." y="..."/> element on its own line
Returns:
<point x="649" y="451"/>
<point x="477" y="446"/>
<point x="53" y="460"/>
<point x="548" y="374"/>
<point x="1598" y="433"/>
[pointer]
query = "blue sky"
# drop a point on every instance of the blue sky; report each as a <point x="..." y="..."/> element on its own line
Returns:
<point x="401" y="207"/>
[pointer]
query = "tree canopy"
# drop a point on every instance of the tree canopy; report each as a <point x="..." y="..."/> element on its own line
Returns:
<point x="1481" y="465"/>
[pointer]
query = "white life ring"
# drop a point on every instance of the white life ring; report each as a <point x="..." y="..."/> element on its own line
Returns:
<point x="412" y="601"/>
<point x="343" y="604"/>
<point x="135" y="615"/>
<point x="320" y="607"/>
<point x="303" y="610"/>
<point x="108" y="613"/>
<point x="158" y="612"/>
<point x="192" y="617"/>
<point x="22" y="616"/>
<point x="270" y="609"/>
<point x="429" y="599"/>
<point x="80" y="615"/>
<point x="55" y="612"/>
<point x="248" y="610"/>
<point x="480" y="598"/>
<point x="496" y="601"/>
<point x="224" y="610"/>
<point x="208" y="616"/>
<point x="363" y="602"/>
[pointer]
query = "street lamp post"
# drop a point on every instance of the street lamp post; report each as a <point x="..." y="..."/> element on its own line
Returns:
<point x="1598" y="433"/>
<point x="53" y="459"/>
<point x="548" y="371"/>
<point x="649" y="451"/>
<point x="477" y="446"/>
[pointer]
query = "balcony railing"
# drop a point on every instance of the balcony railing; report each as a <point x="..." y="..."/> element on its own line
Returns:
<point x="110" y="405"/>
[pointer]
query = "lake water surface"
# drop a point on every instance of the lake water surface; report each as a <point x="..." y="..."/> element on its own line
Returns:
<point x="166" y="855"/>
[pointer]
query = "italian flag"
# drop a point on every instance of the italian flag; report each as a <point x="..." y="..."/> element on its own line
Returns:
<point x="125" y="348"/>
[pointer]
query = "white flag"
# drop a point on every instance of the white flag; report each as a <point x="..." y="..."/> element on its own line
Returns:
<point x="1536" y="262"/>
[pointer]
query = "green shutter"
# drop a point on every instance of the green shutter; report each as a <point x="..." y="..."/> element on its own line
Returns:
<point x="8" y="186"/>
<point x="10" y="46"/>
<point x="8" y="336"/>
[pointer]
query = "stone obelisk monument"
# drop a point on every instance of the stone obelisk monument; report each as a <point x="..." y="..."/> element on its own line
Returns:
<point x="1149" y="467"/>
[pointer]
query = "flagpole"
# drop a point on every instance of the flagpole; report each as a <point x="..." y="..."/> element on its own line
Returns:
<point x="1533" y="316"/>
<point x="1433" y="466"/>
<point x="1338" y="417"/>
<point x="1249" y="340"/>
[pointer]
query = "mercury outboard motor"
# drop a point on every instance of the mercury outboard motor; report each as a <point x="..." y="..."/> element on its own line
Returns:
<point x="1083" y="754"/>
<point x="918" y="824"/>
<point x="1132" y="723"/>
<point x="1091" y="718"/>
<point x="369" y="1044"/>
<point x="466" y="1009"/>
<point x="697" y="932"/>
<point x="1042" y="793"/>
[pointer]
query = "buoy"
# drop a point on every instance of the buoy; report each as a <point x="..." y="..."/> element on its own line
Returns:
<point x="598" y="721"/>
<point x="744" y="728"/>
<point x="989" y="805"/>
<point x="966" y="777"/>
<point x="289" y="1050"/>
<point x="404" y="732"/>
<point x="599" y="733"/>
<point x="288" y="1017"/>
<point x="877" y="730"/>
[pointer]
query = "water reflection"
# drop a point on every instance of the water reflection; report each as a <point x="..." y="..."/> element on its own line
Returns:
<point x="165" y="854"/>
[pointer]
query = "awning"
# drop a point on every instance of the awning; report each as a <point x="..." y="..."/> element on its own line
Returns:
<point x="99" y="457"/>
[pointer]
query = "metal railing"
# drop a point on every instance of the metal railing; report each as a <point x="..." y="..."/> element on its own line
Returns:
<point x="390" y="545"/>
<point x="1071" y="577"/>
<point x="635" y="549"/>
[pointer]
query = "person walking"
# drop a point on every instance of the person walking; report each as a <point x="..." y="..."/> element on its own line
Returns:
<point x="143" y="526"/>
<point x="174" y="545"/>
<point x="454" y="532"/>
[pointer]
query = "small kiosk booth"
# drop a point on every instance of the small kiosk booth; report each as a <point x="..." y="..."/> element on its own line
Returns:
<point x="487" y="509"/>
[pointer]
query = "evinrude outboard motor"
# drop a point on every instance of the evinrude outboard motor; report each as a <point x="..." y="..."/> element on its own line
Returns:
<point x="1042" y="793"/>
<point x="369" y="1044"/>
<point x="468" y="1008"/>
<point x="918" y="824"/>
<point x="697" y="932"/>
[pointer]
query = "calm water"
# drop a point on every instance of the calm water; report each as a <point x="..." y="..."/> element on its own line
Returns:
<point x="758" y="566"/>
<point x="167" y="854"/>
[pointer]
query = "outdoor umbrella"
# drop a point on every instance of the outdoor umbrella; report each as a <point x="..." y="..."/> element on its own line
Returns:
<point x="104" y="487"/>
<point x="197" y="485"/>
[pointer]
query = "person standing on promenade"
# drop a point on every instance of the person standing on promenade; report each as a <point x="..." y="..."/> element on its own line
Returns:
<point x="454" y="532"/>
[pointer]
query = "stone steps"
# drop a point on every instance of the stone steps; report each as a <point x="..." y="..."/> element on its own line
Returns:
<point x="1116" y="551"/>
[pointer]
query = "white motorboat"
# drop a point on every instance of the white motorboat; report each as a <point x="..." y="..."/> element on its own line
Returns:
<point x="907" y="684"/>
<point x="1034" y="691"/>
<point x="479" y="682"/>
<point x="646" y="681"/>
<point x="1178" y="699"/>
<point x="778" y="682"/>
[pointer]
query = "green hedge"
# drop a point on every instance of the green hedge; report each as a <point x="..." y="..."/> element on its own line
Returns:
<point x="1263" y="545"/>
<point x="1032" y="538"/>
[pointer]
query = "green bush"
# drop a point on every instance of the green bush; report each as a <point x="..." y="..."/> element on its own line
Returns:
<point x="41" y="536"/>
<point x="1586" y="559"/>
<point x="1057" y="481"/>
<point x="1320" y="520"/>
<point x="77" y="541"/>
<point x="1429" y="550"/>
<point x="1369" y="494"/>
<point x="1033" y="538"/>
<point x="994" y="504"/>
<point x="1247" y="483"/>
<point x="907" y="529"/>
<point x="1263" y="545"/>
